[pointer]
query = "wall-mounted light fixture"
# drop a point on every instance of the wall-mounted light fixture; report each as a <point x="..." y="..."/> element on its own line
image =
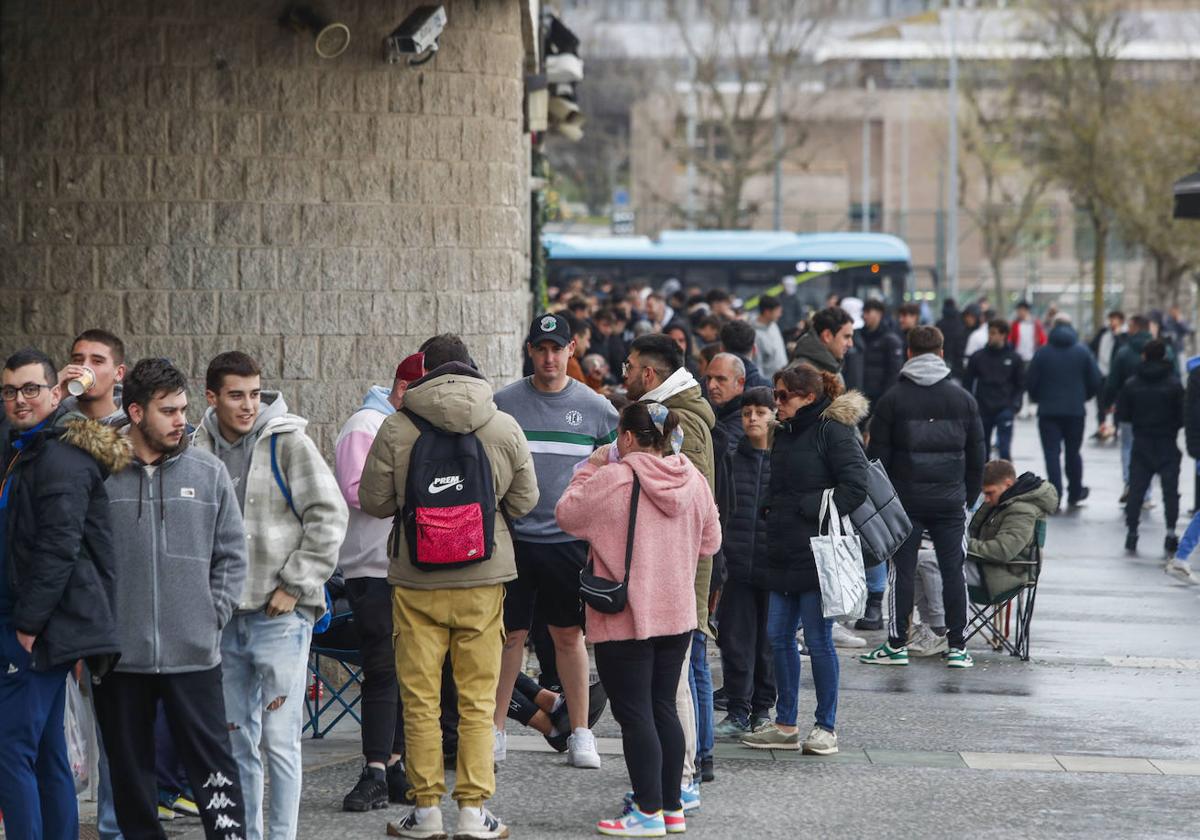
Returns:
<point x="330" y="38"/>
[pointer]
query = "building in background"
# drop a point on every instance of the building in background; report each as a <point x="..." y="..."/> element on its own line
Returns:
<point x="195" y="178"/>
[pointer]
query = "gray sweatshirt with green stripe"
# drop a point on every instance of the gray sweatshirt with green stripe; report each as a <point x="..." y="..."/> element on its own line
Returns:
<point x="562" y="429"/>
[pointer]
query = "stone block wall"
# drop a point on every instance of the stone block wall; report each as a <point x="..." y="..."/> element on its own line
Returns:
<point x="195" y="178"/>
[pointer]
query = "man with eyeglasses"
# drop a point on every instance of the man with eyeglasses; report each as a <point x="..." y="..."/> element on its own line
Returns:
<point x="56" y="587"/>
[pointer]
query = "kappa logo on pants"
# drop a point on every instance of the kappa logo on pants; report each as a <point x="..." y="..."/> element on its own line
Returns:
<point x="217" y="780"/>
<point x="226" y="821"/>
<point x="219" y="802"/>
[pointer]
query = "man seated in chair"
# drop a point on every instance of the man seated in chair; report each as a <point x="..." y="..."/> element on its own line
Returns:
<point x="1004" y="527"/>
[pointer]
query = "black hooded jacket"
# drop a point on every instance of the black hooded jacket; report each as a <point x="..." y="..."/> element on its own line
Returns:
<point x="927" y="434"/>
<point x="745" y="532"/>
<point x="816" y="450"/>
<point x="883" y="356"/>
<point x="59" y="541"/>
<point x="996" y="377"/>
<point x="1152" y="400"/>
<point x="954" y="337"/>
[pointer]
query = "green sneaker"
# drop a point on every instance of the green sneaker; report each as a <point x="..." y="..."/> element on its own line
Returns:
<point x="885" y="654"/>
<point x="958" y="658"/>
<point x="732" y="728"/>
<point x="773" y="738"/>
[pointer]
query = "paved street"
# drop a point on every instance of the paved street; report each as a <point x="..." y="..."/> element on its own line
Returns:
<point x="1097" y="737"/>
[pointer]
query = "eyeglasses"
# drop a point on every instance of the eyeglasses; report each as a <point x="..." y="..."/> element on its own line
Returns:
<point x="29" y="391"/>
<point x="783" y="396"/>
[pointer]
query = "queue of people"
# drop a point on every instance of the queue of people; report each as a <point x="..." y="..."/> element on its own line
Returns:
<point x="189" y="567"/>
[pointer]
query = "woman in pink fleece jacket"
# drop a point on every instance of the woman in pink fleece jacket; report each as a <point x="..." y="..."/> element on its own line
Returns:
<point x="640" y="651"/>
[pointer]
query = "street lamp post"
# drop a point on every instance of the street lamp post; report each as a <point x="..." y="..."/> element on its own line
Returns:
<point x="952" y="197"/>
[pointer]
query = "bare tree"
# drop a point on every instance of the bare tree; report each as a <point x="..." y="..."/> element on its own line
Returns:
<point x="1080" y="96"/>
<point x="1159" y="143"/>
<point x="739" y="77"/>
<point x="1000" y="187"/>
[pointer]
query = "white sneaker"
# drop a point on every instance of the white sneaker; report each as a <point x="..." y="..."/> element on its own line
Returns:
<point x="820" y="742"/>
<point x="581" y="750"/>
<point x="499" y="745"/>
<point x="479" y="824"/>
<point x="843" y="638"/>
<point x="1181" y="569"/>
<point x="922" y="641"/>
<point x="419" y="824"/>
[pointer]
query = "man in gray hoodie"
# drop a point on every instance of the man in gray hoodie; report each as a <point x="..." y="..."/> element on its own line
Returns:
<point x="180" y="563"/>
<point x="295" y="520"/>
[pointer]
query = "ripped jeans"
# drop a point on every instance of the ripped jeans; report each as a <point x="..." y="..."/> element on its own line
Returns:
<point x="262" y="660"/>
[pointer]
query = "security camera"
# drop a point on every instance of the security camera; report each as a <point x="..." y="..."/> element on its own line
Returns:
<point x="417" y="34"/>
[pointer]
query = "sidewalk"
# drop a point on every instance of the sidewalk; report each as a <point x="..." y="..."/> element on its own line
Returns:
<point x="1097" y="736"/>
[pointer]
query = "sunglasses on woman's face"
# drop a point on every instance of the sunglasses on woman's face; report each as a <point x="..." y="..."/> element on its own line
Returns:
<point x="783" y="396"/>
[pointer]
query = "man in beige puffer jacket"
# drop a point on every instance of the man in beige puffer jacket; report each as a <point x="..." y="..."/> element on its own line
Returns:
<point x="457" y="611"/>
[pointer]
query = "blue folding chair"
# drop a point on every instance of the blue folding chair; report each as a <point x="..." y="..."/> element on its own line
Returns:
<point x="339" y="643"/>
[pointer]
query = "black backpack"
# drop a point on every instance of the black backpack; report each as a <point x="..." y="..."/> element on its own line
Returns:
<point x="449" y="514"/>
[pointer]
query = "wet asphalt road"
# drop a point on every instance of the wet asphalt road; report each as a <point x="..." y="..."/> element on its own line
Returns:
<point x="1115" y="672"/>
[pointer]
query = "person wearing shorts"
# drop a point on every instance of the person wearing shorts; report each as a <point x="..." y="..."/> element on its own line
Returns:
<point x="564" y="422"/>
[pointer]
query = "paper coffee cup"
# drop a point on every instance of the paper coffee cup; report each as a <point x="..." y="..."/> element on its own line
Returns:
<point x="82" y="383"/>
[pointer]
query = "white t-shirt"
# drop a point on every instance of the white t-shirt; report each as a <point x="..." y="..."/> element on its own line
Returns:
<point x="1026" y="340"/>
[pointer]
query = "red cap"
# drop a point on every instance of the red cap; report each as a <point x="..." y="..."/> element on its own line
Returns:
<point x="412" y="368"/>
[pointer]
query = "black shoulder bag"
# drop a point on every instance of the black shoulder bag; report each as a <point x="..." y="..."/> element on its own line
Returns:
<point x="610" y="596"/>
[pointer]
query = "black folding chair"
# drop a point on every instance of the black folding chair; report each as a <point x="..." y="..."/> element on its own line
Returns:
<point x="993" y="613"/>
<point x="340" y="643"/>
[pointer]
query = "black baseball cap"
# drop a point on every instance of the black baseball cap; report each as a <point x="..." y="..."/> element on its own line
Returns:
<point x="550" y="327"/>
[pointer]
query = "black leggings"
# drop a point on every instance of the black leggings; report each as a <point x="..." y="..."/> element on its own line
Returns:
<point x="641" y="678"/>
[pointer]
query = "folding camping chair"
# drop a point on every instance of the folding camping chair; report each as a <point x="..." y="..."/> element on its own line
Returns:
<point x="339" y="643"/>
<point x="992" y="614"/>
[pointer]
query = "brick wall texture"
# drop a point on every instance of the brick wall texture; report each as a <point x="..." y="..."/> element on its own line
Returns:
<point x="194" y="178"/>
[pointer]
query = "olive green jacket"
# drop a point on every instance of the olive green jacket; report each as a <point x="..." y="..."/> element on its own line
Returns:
<point x="697" y="419"/>
<point x="1004" y="532"/>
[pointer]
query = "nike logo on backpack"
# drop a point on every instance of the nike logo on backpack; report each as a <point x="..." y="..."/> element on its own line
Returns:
<point x="440" y="484"/>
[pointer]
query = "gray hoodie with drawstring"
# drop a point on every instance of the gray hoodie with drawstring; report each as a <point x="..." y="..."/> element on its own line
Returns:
<point x="180" y="561"/>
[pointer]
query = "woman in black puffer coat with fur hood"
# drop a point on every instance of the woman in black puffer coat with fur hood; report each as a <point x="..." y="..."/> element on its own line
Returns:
<point x="816" y="448"/>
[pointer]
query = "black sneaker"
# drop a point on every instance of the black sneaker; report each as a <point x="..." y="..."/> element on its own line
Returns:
<point x="707" y="773"/>
<point x="1078" y="501"/>
<point x="1131" y="542"/>
<point x="873" y="618"/>
<point x="1171" y="544"/>
<point x="561" y="718"/>
<point x="370" y="793"/>
<point x="720" y="700"/>
<point x="397" y="784"/>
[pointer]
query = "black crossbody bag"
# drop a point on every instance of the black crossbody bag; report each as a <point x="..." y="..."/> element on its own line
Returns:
<point x="610" y="596"/>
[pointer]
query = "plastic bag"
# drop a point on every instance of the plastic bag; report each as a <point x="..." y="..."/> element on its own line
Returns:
<point x="839" y="560"/>
<point x="75" y="721"/>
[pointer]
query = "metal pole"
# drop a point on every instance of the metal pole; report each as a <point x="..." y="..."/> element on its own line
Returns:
<point x="952" y="197"/>
<point x="866" y="158"/>
<point x="777" y="215"/>
<point x="689" y="205"/>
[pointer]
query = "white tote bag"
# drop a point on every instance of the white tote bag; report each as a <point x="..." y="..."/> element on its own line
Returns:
<point x="839" y="559"/>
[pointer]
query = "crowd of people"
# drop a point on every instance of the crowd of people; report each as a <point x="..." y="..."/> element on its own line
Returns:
<point x="649" y="488"/>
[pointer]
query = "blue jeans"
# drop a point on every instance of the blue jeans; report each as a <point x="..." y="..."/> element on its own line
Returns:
<point x="787" y="612"/>
<point x="1002" y="423"/>
<point x="37" y="790"/>
<point x="1191" y="537"/>
<point x="700" y="680"/>
<point x="877" y="578"/>
<point x="263" y="659"/>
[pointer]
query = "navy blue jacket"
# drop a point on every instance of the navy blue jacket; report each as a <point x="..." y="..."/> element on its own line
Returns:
<point x="745" y="543"/>
<point x="1063" y="375"/>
